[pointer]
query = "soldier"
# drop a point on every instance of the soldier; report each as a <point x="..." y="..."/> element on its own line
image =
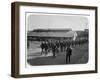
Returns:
<point x="64" y="44"/>
<point x="54" y="50"/>
<point x="42" y="47"/>
<point x="57" y="46"/>
<point x="68" y="53"/>
<point x="46" y="47"/>
<point x="61" y="46"/>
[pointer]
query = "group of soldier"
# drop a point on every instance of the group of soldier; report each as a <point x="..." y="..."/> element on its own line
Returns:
<point x="59" y="46"/>
<point x="56" y="46"/>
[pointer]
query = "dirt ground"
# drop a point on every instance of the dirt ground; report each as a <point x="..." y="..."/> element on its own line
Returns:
<point x="34" y="57"/>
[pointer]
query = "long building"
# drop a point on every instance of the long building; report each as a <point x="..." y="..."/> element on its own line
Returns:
<point x="51" y="34"/>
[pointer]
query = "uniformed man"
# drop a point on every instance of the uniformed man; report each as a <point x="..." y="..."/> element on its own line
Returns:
<point x="42" y="47"/>
<point x="68" y="53"/>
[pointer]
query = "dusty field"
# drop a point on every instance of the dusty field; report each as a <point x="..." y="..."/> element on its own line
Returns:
<point x="34" y="57"/>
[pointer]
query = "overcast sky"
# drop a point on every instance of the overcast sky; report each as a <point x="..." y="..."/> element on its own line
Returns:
<point x="57" y="22"/>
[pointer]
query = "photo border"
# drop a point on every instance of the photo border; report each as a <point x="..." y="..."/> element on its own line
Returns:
<point x="15" y="32"/>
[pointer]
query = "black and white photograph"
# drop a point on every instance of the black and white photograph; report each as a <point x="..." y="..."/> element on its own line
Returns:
<point x="53" y="39"/>
<point x="57" y="39"/>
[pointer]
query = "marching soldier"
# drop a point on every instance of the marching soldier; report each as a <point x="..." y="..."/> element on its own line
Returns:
<point x="42" y="47"/>
<point x="54" y="50"/>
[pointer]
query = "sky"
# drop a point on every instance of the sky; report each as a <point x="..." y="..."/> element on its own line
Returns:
<point x="75" y="22"/>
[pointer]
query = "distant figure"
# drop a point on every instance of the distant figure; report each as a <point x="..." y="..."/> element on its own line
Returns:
<point x="54" y="50"/>
<point x="46" y="48"/>
<point x="42" y="47"/>
<point x="61" y="46"/>
<point x="68" y="54"/>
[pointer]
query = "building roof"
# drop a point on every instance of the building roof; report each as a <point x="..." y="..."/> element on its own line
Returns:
<point x="52" y="34"/>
